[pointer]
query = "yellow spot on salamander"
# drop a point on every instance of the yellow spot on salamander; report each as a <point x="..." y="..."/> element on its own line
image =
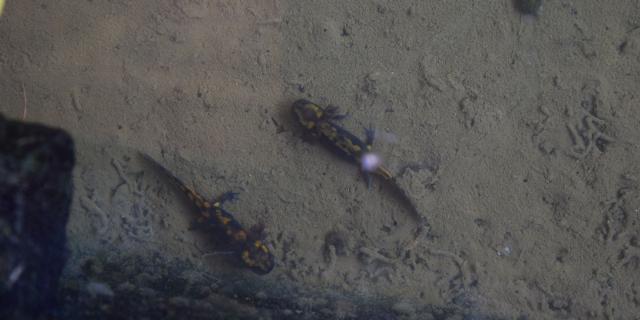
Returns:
<point x="247" y="258"/>
<point x="245" y="255"/>
<point x="221" y="218"/>
<point x="1" y="6"/>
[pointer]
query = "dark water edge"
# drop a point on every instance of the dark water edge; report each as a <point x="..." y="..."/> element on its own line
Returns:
<point x="173" y="289"/>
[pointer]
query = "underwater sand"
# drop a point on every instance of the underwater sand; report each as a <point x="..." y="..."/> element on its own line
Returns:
<point x="515" y="137"/>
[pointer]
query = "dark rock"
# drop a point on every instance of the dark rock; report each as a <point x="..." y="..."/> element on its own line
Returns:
<point x="35" y="196"/>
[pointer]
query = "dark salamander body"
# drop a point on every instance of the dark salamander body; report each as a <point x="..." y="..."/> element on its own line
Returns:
<point x="319" y="122"/>
<point x="251" y="251"/>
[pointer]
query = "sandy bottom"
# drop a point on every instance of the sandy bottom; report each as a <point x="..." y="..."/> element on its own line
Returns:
<point x="515" y="137"/>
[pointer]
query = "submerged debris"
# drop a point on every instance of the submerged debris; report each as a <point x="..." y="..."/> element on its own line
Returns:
<point x="531" y="7"/>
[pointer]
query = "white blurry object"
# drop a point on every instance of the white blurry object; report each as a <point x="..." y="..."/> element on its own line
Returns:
<point x="371" y="162"/>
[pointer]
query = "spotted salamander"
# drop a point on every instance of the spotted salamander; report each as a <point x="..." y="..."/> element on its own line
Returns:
<point x="320" y="123"/>
<point x="252" y="252"/>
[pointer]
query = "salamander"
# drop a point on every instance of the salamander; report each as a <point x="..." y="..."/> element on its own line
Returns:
<point x="321" y="123"/>
<point x="250" y="249"/>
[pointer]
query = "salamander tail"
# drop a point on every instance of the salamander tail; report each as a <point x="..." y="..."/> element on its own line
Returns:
<point x="384" y="172"/>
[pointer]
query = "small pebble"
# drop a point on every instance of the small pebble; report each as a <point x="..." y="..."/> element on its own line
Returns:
<point x="99" y="289"/>
<point x="504" y="251"/>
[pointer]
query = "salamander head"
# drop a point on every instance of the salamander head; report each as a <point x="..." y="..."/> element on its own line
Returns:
<point x="308" y="113"/>
<point x="256" y="256"/>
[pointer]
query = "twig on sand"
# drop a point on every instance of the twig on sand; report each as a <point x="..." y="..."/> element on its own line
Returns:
<point x="24" y="99"/>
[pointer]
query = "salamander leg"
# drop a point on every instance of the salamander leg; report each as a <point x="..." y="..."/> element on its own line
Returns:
<point x="367" y="179"/>
<point x="257" y="231"/>
<point x="332" y="113"/>
<point x="310" y="137"/>
<point x="370" y="134"/>
<point x="227" y="196"/>
<point x="198" y="224"/>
